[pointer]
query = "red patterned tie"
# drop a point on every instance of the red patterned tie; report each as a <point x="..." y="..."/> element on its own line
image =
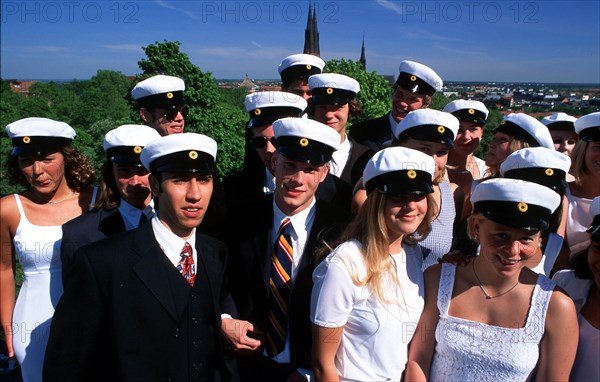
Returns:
<point x="280" y="282"/>
<point x="186" y="265"/>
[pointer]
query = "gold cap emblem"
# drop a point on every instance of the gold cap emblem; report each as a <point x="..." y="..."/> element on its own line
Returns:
<point x="549" y="172"/>
<point x="137" y="149"/>
<point x="169" y="95"/>
<point x="471" y="111"/>
<point x="257" y="112"/>
<point x="523" y="207"/>
<point x="411" y="174"/>
<point x="193" y="154"/>
<point x="413" y="78"/>
<point x="329" y="90"/>
<point x="308" y="67"/>
<point x="441" y="129"/>
<point x="26" y="139"/>
<point x="304" y="142"/>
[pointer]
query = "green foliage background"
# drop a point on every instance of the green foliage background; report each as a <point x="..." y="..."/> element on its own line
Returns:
<point x="95" y="106"/>
<point x="102" y="103"/>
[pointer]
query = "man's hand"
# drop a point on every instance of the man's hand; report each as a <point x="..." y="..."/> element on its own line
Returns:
<point x="240" y="334"/>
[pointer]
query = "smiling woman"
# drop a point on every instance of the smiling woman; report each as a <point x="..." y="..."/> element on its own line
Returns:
<point x="369" y="289"/>
<point x="58" y="179"/>
<point x="525" y="324"/>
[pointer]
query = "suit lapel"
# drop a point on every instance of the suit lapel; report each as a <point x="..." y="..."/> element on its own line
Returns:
<point x="111" y="222"/>
<point x="208" y="268"/>
<point x="152" y="269"/>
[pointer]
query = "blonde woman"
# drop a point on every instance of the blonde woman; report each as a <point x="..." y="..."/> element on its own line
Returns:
<point x="368" y="292"/>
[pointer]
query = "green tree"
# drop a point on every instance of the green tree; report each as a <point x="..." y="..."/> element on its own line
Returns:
<point x="438" y="101"/>
<point x="104" y="96"/>
<point x="494" y="119"/>
<point x="208" y="114"/>
<point x="375" y="92"/>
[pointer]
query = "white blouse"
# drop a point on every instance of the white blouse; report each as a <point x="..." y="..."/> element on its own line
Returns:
<point x="376" y="335"/>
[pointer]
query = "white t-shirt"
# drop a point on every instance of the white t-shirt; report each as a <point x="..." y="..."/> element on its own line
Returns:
<point x="376" y="335"/>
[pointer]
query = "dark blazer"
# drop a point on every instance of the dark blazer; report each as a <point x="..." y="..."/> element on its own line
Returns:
<point x="86" y="229"/>
<point x="127" y="314"/>
<point x="250" y="265"/>
<point x="245" y="187"/>
<point x="372" y="132"/>
<point x="359" y="156"/>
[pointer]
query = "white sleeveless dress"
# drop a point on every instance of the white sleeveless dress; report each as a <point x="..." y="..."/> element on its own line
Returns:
<point x="37" y="249"/>
<point x="473" y="351"/>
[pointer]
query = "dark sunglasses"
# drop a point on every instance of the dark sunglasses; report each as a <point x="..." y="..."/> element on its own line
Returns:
<point x="260" y="142"/>
<point x="171" y="114"/>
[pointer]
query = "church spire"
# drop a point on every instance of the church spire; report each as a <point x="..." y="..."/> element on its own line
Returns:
<point x="363" y="59"/>
<point x="311" y="34"/>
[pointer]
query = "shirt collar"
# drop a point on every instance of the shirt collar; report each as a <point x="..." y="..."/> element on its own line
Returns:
<point x="299" y="220"/>
<point x="170" y="243"/>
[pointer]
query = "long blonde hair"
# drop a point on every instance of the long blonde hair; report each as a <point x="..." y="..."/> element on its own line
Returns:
<point x="369" y="228"/>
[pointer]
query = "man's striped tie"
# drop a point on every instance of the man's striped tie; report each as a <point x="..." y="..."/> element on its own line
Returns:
<point x="280" y="282"/>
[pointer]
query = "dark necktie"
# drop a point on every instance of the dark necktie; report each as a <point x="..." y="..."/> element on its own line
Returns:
<point x="143" y="219"/>
<point x="186" y="264"/>
<point x="280" y="281"/>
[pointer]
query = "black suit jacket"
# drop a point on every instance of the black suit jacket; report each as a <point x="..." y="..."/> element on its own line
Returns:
<point x="373" y="133"/>
<point x="359" y="156"/>
<point x="86" y="229"/>
<point x="127" y="314"/>
<point x="250" y="265"/>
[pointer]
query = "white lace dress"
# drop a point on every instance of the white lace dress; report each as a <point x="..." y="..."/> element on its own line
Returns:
<point x="472" y="351"/>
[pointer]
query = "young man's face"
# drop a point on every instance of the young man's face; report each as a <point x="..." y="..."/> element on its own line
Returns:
<point x="163" y="120"/>
<point x="133" y="185"/>
<point x="333" y="116"/>
<point x="404" y="101"/>
<point x="262" y="141"/>
<point x="296" y="183"/>
<point x="298" y="87"/>
<point x="183" y="199"/>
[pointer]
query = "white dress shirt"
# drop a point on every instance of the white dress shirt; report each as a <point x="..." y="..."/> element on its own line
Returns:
<point x="172" y="244"/>
<point x="340" y="158"/>
<point x="302" y="224"/>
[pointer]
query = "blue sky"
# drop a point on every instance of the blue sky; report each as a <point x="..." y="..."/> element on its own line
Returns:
<point x="471" y="40"/>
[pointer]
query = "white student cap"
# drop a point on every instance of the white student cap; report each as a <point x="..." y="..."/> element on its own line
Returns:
<point x="124" y="144"/>
<point x="428" y="125"/>
<point x="39" y="136"/>
<point x="180" y="153"/>
<point x="332" y="88"/>
<point x="264" y="108"/>
<point x="399" y="170"/>
<point x="515" y="203"/>
<point x="468" y="110"/>
<point x="526" y="128"/>
<point x="418" y="78"/>
<point x="305" y="140"/>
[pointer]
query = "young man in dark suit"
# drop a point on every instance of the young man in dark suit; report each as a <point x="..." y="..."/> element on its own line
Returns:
<point x="124" y="199"/>
<point x="413" y="90"/>
<point x="333" y="103"/>
<point x="145" y="305"/>
<point x="272" y="294"/>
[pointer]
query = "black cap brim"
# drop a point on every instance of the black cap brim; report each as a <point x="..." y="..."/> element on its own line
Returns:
<point x="401" y="182"/>
<point x="516" y="215"/>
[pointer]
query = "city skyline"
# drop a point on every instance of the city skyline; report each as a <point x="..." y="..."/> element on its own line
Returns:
<point x="474" y="41"/>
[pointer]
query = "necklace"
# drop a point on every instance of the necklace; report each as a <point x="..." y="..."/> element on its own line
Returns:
<point x="55" y="203"/>
<point x="487" y="296"/>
